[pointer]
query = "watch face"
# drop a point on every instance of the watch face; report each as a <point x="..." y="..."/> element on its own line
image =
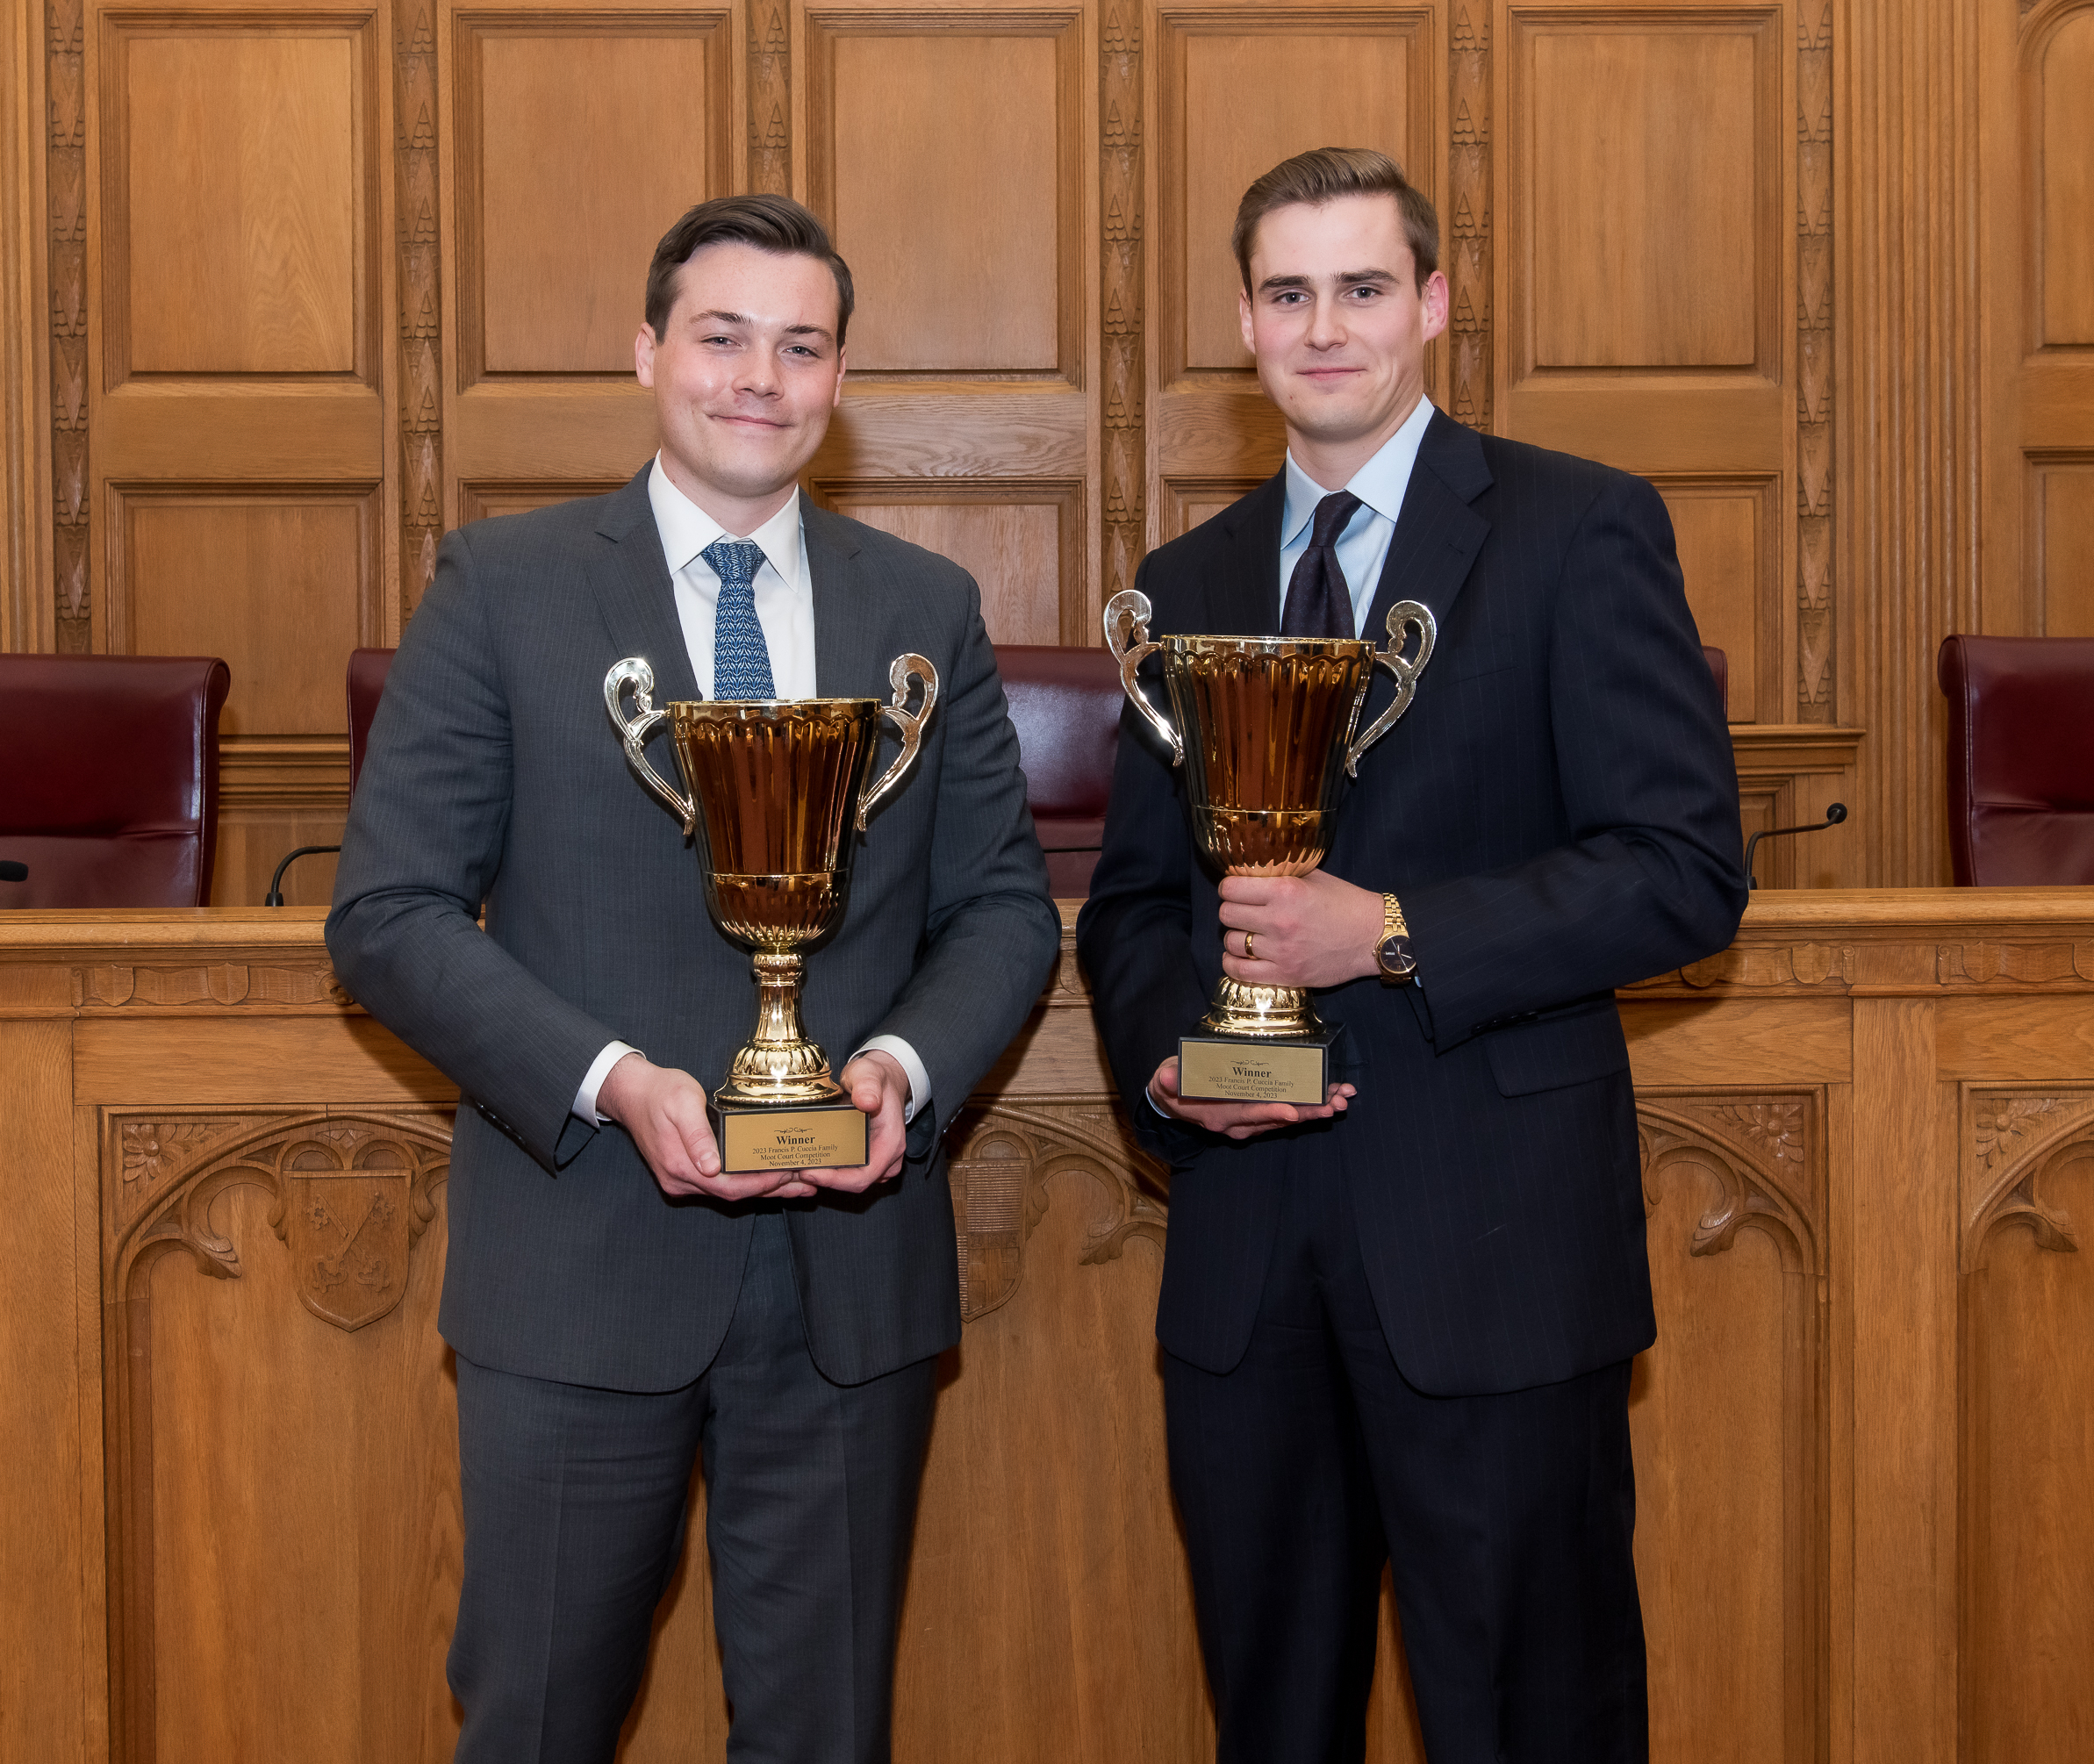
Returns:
<point x="1397" y="961"/>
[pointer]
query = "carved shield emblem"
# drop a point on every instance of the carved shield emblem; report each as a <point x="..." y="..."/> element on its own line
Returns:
<point x="345" y="1218"/>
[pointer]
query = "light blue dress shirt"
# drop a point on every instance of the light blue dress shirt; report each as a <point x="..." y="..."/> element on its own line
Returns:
<point x="1363" y="548"/>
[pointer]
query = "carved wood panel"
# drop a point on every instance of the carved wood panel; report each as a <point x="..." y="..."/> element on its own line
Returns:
<point x="258" y="1452"/>
<point x="2026" y="1316"/>
<point x="1730" y="1413"/>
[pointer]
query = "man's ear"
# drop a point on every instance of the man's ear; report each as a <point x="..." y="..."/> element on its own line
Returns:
<point x="1243" y="314"/>
<point x="643" y="354"/>
<point x="1433" y="299"/>
<point x="843" y="367"/>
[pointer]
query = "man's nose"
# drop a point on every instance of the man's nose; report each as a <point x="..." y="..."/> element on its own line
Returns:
<point x="1326" y="326"/>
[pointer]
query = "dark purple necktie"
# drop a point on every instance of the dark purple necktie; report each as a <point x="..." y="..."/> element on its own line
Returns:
<point x="1318" y="602"/>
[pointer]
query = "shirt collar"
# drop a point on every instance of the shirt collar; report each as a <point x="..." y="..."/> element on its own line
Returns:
<point x="686" y="529"/>
<point x="1380" y="483"/>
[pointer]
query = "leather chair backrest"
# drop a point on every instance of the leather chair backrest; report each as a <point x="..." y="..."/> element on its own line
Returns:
<point x="111" y="778"/>
<point x="1066" y="706"/>
<point x="1719" y="664"/>
<point x="367" y="668"/>
<point x="2021" y="759"/>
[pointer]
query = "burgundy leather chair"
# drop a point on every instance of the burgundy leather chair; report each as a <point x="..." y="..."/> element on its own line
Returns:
<point x="367" y="668"/>
<point x="110" y="770"/>
<point x="2021" y="759"/>
<point x="1066" y="706"/>
<point x="1719" y="664"/>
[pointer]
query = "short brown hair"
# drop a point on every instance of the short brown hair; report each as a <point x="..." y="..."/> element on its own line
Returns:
<point x="769" y="223"/>
<point x="1323" y="173"/>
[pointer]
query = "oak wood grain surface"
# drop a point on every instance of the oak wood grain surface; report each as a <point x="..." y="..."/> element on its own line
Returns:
<point x="1868" y="1134"/>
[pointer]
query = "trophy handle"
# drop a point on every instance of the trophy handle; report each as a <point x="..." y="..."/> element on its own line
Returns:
<point x="899" y="672"/>
<point x="1127" y="636"/>
<point x="634" y="732"/>
<point x="1405" y="673"/>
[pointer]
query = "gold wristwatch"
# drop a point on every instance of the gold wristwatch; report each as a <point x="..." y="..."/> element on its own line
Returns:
<point x="1397" y="960"/>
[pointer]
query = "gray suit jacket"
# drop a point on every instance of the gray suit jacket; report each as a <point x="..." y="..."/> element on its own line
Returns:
<point x="494" y="775"/>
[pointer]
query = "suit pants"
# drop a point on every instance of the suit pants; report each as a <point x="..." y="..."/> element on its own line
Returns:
<point x="1506" y="1520"/>
<point x="574" y="1520"/>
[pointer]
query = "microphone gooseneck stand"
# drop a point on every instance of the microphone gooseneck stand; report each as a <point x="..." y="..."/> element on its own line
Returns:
<point x="1834" y="814"/>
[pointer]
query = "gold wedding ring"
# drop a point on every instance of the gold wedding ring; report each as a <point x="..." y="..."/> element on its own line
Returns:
<point x="1248" y="956"/>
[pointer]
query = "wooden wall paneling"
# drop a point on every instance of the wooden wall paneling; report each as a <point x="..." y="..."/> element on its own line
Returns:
<point x="1465" y="216"/>
<point x="280" y="583"/>
<point x="581" y="136"/>
<point x="1903" y="1618"/>
<point x="26" y="124"/>
<point x="2044" y="445"/>
<point x="1122" y="213"/>
<point x="1735" y="1187"/>
<point x="237" y="198"/>
<point x="480" y="501"/>
<point x="1811" y="647"/>
<point x="2061" y="549"/>
<point x="1788" y="776"/>
<point x="536" y="385"/>
<point x="276" y="1409"/>
<point x="1021" y="539"/>
<point x="770" y="103"/>
<point x="2027" y="1156"/>
<point x="47" y="1555"/>
<point x="1227" y="85"/>
<point x="1729" y="535"/>
<point x="69" y="103"/>
<point x="1909" y="285"/>
<point x="233" y="268"/>
<point x="1660" y="199"/>
<point x="953" y="151"/>
<point x="420" y="115"/>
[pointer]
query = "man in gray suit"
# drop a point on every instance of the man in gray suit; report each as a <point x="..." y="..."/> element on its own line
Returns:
<point x="619" y="1305"/>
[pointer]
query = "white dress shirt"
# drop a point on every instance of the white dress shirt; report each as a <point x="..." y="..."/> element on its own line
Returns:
<point x="785" y="596"/>
<point x="1363" y="546"/>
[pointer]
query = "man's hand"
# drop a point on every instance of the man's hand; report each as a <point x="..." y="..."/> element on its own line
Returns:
<point x="664" y="1110"/>
<point x="1239" y="1120"/>
<point x="880" y="1088"/>
<point x="1311" y="930"/>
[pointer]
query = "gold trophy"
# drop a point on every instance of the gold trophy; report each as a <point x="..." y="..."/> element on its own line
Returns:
<point x="1262" y="723"/>
<point x="776" y="795"/>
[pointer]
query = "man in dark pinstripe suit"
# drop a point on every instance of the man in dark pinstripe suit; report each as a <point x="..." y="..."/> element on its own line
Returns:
<point x="1399" y="1326"/>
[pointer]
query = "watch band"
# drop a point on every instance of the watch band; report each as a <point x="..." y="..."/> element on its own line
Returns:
<point x="1393" y="954"/>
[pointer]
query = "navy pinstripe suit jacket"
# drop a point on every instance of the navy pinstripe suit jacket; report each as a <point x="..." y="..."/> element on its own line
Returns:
<point x="494" y="774"/>
<point x="1558" y="811"/>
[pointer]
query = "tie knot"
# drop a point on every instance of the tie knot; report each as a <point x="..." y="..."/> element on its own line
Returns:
<point x="734" y="561"/>
<point x="1332" y="512"/>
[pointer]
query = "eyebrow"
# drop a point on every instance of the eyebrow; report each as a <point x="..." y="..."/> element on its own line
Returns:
<point x="1346" y="278"/>
<point x="715" y="315"/>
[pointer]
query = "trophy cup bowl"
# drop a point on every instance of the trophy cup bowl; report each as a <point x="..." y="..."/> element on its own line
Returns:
<point x="1261" y="725"/>
<point x="776" y="793"/>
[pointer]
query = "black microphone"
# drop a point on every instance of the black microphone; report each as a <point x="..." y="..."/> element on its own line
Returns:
<point x="11" y="872"/>
<point x="1835" y="813"/>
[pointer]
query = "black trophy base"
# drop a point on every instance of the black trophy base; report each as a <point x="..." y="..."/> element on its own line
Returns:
<point x="1216" y="1068"/>
<point x="800" y="1136"/>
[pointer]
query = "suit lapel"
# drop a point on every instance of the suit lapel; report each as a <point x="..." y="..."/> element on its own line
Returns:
<point x="1438" y="534"/>
<point x="1244" y="600"/>
<point x="635" y="596"/>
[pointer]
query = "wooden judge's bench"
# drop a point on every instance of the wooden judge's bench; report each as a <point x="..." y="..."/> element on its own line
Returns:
<point x="229" y="1531"/>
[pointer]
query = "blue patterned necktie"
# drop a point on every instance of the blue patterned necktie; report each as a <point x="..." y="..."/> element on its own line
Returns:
<point x="741" y="663"/>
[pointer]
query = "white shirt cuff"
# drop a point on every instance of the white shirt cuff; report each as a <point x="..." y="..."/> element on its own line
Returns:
<point x="919" y="1078"/>
<point x="593" y="1081"/>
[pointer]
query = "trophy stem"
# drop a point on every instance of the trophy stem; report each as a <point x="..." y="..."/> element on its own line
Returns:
<point x="779" y="1064"/>
<point x="1260" y="1013"/>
